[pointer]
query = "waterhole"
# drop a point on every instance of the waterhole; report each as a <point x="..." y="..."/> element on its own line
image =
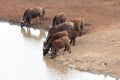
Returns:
<point x="21" y="57"/>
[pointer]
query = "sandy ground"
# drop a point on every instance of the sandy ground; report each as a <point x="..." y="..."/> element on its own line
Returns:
<point x="98" y="49"/>
<point x="97" y="53"/>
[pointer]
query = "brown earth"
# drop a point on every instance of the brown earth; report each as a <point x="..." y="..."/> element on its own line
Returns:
<point x="98" y="50"/>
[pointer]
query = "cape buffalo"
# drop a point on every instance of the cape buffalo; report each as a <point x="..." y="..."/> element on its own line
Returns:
<point x="59" y="18"/>
<point x="59" y="44"/>
<point x="32" y="13"/>
<point x="61" y="27"/>
<point x="78" y="24"/>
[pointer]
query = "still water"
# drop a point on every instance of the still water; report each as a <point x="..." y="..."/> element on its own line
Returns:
<point x="21" y="58"/>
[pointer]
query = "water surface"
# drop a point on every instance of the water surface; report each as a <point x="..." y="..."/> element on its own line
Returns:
<point x="21" y="58"/>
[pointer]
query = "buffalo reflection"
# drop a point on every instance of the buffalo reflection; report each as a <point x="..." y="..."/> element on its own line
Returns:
<point x="32" y="33"/>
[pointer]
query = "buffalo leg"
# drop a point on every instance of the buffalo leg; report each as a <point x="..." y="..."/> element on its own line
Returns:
<point x="68" y="48"/>
<point x="54" y="52"/>
<point x="53" y="55"/>
<point x="70" y="41"/>
<point x="65" y="48"/>
<point x="74" y="42"/>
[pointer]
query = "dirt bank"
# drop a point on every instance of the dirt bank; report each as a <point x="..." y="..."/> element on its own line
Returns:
<point x="96" y="51"/>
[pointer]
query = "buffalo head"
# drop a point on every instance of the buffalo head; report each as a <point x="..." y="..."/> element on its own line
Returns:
<point x="45" y="48"/>
<point x="45" y="51"/>
<point x="22" y="23"/>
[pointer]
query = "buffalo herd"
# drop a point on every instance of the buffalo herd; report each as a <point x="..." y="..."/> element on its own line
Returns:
<point x="61" y="34"/>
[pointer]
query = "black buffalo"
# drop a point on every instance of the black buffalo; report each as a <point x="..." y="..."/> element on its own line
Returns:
<point x="61" y="27"/>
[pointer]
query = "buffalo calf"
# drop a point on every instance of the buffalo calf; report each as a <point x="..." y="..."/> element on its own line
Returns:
<point x="59" y="44"/>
